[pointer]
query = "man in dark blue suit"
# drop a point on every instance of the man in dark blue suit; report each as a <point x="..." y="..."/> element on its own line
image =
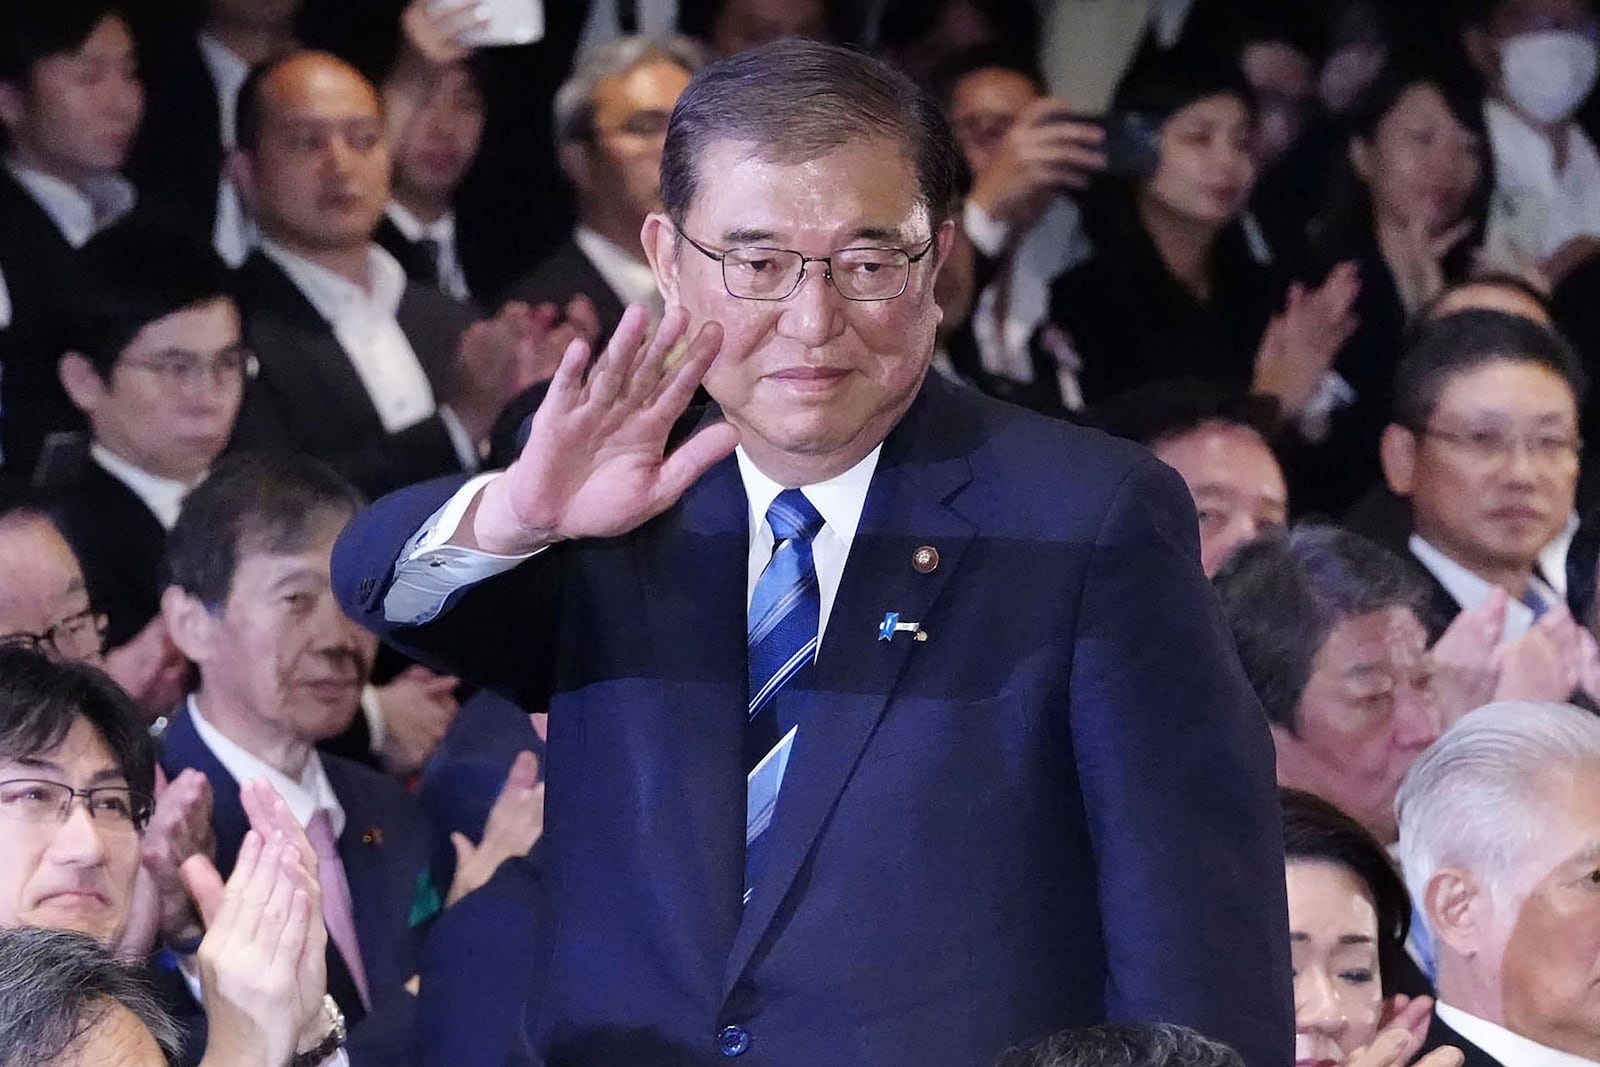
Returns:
<point x="281" y="669"/>
<point x="980" y="763"/>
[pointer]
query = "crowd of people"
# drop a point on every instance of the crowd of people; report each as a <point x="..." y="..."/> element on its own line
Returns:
<point x="1149" y="441"/>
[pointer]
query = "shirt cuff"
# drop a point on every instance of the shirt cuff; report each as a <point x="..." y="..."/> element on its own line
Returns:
<point x="467" y="450"/>
<point x="372" y="708"/>
<point x="431" y="569"/>
<point x="987" y="233"/>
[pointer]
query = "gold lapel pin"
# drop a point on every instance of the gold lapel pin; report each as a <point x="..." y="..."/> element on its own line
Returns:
<point x="372" y="836"/>
<point x="925" y="560"/>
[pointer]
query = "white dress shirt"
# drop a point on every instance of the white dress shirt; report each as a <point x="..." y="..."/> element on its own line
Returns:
<point x="629" y="276"/>
<point x="1054" y="244"/>
<point x="1469" y="590"/>
<point x="234" y="234"/>
<point x="163" y="496"/>
<point x="442" y="232"/>
<point x="1512" y="1050"/>
<point x="430" y="570"/>
<point x="79" y="211"/>
<point x="1536" y="209"/>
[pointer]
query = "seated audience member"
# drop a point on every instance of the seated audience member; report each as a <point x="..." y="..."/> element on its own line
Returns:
<point x="193" y="75"/>
<point x="66" y="1000"/>
<point x="730" y="26"/>
<point x="45" y="605"/>
<point x="1498" y="841"/>
<point x="280" y="668"/>
<point x="1537" y="60"/>
<point x="1125" y="1045"/>
<point x="1348" y="919"/>
<point x="1024" y="155"/>
<point x="1213" y="440"/>
<point x="1406" y="206"/>
<point x="1173" y="288"/>
<point x="156" y="363"/>
<point x="1280" y="54"/>
<point x="380" y="378"/>
<point x="1326" y="627"/>
<point x="610" y="121"/>
<point x="920" y="36"/>
<point x="435" y="119"/>
<point x="1483" y="444"/>
<point x="65" y="727"/>
<point x="70" y="100"/>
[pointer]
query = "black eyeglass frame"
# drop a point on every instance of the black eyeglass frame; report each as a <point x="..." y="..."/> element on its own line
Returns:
<point x="721" y="259"/>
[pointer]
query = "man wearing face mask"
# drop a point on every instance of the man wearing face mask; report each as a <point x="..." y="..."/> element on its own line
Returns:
<point x="1538" y="60"/>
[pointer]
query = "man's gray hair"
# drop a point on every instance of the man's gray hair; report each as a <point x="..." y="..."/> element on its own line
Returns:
<point x="1125" y="1045"/>
<point x="573" y="109"/>
<point x="56" y="985"/>
<point x="1472" y="800"/>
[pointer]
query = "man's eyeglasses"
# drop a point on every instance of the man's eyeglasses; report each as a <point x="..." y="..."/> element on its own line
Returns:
<point x="40" y="802"/>
<point x="760" y="273"/>
<point x="74" y="637"/>
<point x="176" y="368"/>
<point x="1490" y="446"/>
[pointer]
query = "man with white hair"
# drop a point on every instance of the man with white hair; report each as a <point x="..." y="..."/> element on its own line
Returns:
<point x="1500" y="841"/>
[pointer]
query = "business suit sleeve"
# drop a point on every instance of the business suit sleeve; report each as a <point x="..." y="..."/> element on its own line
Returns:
<point x="1177" y="769"/>
<point x="501" y="633"/>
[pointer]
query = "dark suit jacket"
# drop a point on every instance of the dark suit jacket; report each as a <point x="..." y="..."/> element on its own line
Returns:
<point x="421" y="268"/>
<point x="178" y="155"/>
<point x="308" y="397"/>
<point x="1440" y="1035"/>
<point x="563" y="276"/>
<point x="36" y="260"/>
<point x="385" y="848"/>
<point x="121" y="546"/>
<point x="1059" y="809"/>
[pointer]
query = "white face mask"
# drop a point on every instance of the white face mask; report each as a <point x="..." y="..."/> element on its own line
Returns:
<point x="1548" y="74"/>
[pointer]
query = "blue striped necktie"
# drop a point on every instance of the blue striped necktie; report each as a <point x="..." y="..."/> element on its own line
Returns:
<point x="783" y="626"/>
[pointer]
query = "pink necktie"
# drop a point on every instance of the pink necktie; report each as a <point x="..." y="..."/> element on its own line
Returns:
<point x="337" y="912"/>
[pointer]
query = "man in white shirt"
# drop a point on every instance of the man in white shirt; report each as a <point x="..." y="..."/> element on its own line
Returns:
<point x="382" y="379"/>
<point x="1499" y="839"/>
<point x="610" y="119"/>
<point x="1538" y="61"/>
<point x="70" y="101"/>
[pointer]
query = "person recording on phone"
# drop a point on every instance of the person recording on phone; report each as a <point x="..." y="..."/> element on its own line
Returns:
<point x="1174" y="288"/>
<point x="1026" y="156"/>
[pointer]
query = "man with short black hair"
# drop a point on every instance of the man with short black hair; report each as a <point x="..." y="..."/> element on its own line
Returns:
<point x="70" y="101"/>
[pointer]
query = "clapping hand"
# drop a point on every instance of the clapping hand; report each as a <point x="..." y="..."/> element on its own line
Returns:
<point x="1300" y="343"/>
<point x="418" y="707"/>
<point x="515" y="822"/>
<point x="1415" y="256"/>
<point x="1466" y="670"/>
<point x="1546" y="663"/>
<point x="262" y="968"/>
<point x="595" y="464"/>
<point x="1044" y="152"/>
<point x="180" y="827"/>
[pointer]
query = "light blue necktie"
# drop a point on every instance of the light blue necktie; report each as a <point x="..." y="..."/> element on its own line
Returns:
<point x="783" y="625"/>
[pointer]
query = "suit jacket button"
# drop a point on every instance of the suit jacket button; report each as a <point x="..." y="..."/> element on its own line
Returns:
<point x="733" y="1040"/>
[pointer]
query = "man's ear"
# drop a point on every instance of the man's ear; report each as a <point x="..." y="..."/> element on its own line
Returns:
<point x="660" y="240"/>
<point x="1457" y="909"/>
<point x="573" y="159"/>
<point x="82" y="382"/>
<point x="190" y="625"/>
<point x="1360" y="155"/>
<point x="1397" y="451"/>
<point x="13" y="108"/>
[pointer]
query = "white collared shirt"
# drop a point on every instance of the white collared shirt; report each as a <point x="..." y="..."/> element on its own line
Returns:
<point x="234" y="234"/>
<point x="1535" y="209"/>
<point x="628" y="276"/>
<point x="442" y="232"/>
<point x="163" y="496"/>
<point x="1052" y="245"/>
<point x="1469" y="590"/>
<point x="363" y="320"/>
<point x="79" y="212"/>
<point x="1512" y="1050"/>
<point x="838" y="500"/>
<point x="430" y="569"/>
<point x="307" y="796"/>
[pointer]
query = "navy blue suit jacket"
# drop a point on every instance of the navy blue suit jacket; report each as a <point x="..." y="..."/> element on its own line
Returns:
<point x="386" y="849"/>
<point x="1058" y="809"/>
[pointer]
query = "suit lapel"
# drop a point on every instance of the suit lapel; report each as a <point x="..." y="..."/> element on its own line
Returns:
<point x="907" y="507"/>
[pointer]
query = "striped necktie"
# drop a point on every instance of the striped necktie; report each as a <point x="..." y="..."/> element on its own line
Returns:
<point x="783" y="633"/>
